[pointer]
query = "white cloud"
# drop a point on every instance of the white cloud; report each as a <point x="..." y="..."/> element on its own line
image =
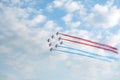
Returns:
<point x="9" y="76"/>
<point x="114" y="39"/>
<point x="96" y="70"/>
<point x="75" y="24"/>
<point x="68" y="19"/>
<point x="68" y="5"/>
<point x="75" y="11"/>
<point x="15" y="1"/>
<point x="27" y="49"/>
<point x="59" y="3"/>
<point x="50" y="25"/>
<point x="105" y="16"/>
<point x="38" y="19"/>
<point x="72" y="6"/>
<point x="25" y="43"/>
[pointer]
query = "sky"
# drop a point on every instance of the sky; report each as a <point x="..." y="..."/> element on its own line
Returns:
<point x="25" y="25"/>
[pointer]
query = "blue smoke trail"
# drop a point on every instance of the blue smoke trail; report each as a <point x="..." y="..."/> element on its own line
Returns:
<point x="81" y="54"/>
<point x="97" y="55"/>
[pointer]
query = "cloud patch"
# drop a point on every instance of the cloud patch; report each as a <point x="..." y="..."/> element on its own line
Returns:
<point x="105" y="16"/>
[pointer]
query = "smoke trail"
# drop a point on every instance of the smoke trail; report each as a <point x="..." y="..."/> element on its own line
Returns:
<point x="104" y="45"/>
<point x="97" y="55"/>
<point x="81" y="55"/>
<point x="89" y="45"/>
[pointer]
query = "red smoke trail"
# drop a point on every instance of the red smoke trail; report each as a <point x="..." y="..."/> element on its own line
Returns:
<point x="104" y="45"/>
<point x="89" y="45"/>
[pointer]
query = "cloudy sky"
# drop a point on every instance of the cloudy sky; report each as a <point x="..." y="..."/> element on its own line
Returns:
<point x="25" y="25"/>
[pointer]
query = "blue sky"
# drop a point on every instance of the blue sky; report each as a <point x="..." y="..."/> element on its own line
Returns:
<point x="25" y="26"/>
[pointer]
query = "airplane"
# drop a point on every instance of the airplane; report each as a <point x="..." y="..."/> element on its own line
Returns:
<point x="61" y="42"/>
<point x="48" y="40"/>
<point x="56" y="46"/>
<point x="59" y="38"/>
<point x="57" y="33"/>
<point x="51" y="49"/>
<point x="50" y="44"/>
<point x="52" y="36"/>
